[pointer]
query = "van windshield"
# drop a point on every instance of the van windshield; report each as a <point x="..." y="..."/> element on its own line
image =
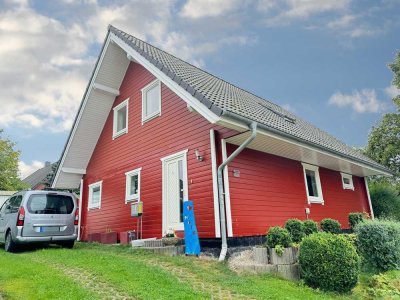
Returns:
<point x="50" y="204"/>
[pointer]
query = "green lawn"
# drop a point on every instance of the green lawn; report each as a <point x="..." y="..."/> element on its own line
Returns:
<point x="91" y="271"/>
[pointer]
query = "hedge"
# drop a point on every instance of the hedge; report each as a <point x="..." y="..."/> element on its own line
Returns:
<point x="378" y="243"/>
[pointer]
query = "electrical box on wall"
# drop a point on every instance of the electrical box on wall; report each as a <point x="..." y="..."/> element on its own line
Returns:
<point x="236" y="173"/>
<point x="137" y="209"/>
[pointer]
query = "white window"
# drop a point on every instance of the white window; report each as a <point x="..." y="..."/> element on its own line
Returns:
<point x="95" y="195"/>
<point x="313" y="184"/>
<point x="347" y="181"/>
<point x="132" y="185"/>
<point x="120" y="119"/>
<point x="151" y="101"/>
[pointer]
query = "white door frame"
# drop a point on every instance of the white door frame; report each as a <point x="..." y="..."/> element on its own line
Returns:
<point x="176" y="156"/>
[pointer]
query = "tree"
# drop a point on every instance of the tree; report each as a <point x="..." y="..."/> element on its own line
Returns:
<point x="9" y="179"/>
<point x="384" y="139"/>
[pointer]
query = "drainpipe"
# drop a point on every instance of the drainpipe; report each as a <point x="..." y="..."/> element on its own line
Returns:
<point x="221" y="191"/>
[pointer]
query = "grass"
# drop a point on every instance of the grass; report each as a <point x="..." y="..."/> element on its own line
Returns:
<point x="92" y="271"/>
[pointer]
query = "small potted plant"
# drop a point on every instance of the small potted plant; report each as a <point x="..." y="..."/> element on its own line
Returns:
<point x="170" y="238"/>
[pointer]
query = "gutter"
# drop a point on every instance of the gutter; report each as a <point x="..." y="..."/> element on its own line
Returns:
<point x="221" y="190"/>
<point x="301" y="141"/>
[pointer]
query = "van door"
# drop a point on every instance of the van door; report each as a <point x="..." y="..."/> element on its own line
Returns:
<point x="49" y="215"/>
<point x="3" y="220"/>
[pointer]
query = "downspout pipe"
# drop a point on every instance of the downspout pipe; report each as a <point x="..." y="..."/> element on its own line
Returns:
<point x="221" y="190"/>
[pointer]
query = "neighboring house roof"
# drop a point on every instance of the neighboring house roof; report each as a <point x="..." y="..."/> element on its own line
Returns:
<point x="39" y="176"/>
<point x="215" y="99"/>
<point x="222" y="97"/>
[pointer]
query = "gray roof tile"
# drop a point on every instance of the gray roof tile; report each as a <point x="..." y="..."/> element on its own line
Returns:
<point x="221" y="96"/>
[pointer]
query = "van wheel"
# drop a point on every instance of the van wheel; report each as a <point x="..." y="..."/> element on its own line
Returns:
<point x="9" y="244"/>
<point x="67" y="244"/>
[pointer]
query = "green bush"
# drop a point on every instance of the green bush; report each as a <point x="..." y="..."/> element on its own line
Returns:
<point x="378" y="243"/>
<point x="329" y="262"/>
<point x="384" y="286"/>
<point x="278" y="236"/>
<point x="357" y="217"/>
<point x="310" y="227"/>
<point x="385" y="200"/>
<point x="330" y="226"/>
<point x="296" y="229"/>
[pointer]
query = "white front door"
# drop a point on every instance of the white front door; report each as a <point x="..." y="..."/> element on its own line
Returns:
<point x="175" y="190"/>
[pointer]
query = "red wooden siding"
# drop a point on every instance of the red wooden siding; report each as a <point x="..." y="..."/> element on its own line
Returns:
<point x="271" y="189"/>
<point x="143" y="146"/>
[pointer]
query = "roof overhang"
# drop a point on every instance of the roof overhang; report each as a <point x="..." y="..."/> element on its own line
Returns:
<point x="272" y="143"/>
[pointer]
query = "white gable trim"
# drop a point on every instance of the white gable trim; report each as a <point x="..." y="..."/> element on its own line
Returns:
<point x="172" y="85"/>
<point x="81" y="109"/>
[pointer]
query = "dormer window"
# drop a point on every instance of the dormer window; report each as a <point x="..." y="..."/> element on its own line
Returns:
<point x="120" y="126"/>
<point x="347" y="181"/>
<point x="151" y="101"/>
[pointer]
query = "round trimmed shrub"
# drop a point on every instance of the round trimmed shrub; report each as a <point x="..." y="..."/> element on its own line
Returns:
<point x="278" y="236"/>
<point x="310" y="227"/>
<point x="329" y="262"/>
<point x="296" y="229"/>
<point x="357" y="217"/>
<point x="330" y="226"/>
<point x="378" y="243"/>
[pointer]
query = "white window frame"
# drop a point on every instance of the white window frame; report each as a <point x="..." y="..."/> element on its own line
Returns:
<point x="313" y="199"/>
<point x="115" y="121"/>
<point x="129" y="197"/>
<point x="349" y="186"/>
<point x="148" y="87"/>
<point x="91" y="187"/>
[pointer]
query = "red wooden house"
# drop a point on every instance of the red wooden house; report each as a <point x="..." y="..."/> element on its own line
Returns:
<point x="154" y="128"/>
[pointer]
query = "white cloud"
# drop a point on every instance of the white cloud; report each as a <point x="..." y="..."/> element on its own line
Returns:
<point x="360" y="101"/>
<point x="392" y="91"/>
<point x="286" y="11"/>
<point x="342" y="22"/>
<point x="27" y="169"/>
<point x="209" y="8"/>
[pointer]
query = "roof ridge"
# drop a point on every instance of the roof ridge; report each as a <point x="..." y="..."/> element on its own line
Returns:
<point x="111" y="27"/>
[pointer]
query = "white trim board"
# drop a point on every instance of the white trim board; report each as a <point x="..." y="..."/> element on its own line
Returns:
<point x="369" y="199"/>
<point x="80" y="210"/>
<point x="227" y="192"/>
<point x="215" y="183"/>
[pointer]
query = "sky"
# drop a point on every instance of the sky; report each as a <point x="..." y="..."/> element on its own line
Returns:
<point x="326" y="61"/>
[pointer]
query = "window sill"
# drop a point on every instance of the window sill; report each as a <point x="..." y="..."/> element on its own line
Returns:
<point x="118" y="134"/>
<point x="93" y="207"/>
<point x="151" y="117"/>
<point x="348" y="188"/>
<point x="131" y="200"/>
<point x="315" y="201"/>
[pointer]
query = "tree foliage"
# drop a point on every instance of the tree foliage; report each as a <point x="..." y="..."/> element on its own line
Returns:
<point x="9" y="179"/>
<point x="384" y="139"/>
